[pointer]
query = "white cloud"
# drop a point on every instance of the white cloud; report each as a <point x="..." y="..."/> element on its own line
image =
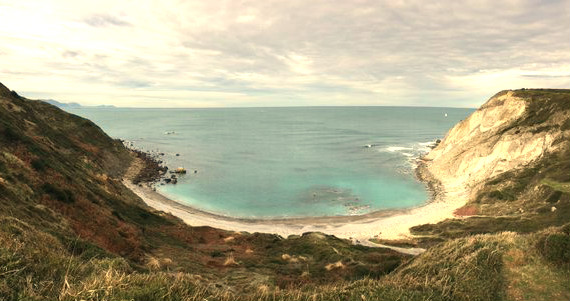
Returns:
<point x="273" y="53"/>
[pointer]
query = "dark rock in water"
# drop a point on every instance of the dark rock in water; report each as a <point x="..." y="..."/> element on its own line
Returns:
<point x="161" y="154"/>
<point x="167" y="180"/>
<point x="435" y="144"/>
<point x="177" y="155"/>
<point x="174" y="181"/>
<point x="195" y="171"/>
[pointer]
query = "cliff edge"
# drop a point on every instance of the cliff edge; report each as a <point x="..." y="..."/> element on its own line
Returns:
<point x="507" y="160"/>
<point x="511" y="130"/>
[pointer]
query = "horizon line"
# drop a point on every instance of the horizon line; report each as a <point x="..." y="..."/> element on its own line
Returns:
<point x="261" y="107"/>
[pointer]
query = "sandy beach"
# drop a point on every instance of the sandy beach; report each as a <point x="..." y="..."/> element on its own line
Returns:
<point x="389" y="224"/>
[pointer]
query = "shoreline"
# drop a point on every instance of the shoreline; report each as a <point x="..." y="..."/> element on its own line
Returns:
<point x="383" y="224"/>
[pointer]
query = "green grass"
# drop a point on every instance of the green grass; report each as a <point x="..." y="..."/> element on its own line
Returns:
<point x="533" y="272"/>
<point x="558" y="186"/>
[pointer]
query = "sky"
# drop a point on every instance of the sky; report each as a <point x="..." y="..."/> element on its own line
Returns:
<point x="267" y="53"/>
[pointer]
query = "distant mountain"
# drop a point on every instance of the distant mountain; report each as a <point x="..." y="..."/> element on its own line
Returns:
<point x="65" y="105"/>
<point x="62" y="104"/>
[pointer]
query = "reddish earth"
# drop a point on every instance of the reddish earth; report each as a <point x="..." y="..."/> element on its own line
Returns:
<point x="467" y="210"/>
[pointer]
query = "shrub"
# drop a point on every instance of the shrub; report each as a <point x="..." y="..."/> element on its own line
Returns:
<point x="555" y="247"/>
<point x="64" y="195"/>
<point x="39" y="164"/>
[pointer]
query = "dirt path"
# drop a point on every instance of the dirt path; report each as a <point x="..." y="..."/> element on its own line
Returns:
<point x="409" y="251"/>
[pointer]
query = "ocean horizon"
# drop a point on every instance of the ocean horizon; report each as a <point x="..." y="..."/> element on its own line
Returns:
<point x="284" y="162"/>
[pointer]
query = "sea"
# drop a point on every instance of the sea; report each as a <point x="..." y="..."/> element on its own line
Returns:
<point x="267" y="163"/>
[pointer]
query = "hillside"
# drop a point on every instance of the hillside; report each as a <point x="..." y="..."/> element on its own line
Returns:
<point x="70" y="230"/>
<point x="510" y="163"/>
<point x="62" y="199"/>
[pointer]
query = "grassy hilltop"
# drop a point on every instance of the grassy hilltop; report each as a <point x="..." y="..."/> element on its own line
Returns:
<point x="70" y="230"/>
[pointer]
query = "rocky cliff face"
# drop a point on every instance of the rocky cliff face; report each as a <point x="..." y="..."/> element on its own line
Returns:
<point x="511" y="131"/>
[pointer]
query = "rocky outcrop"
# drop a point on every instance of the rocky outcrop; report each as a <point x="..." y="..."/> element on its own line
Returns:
<point x="510" y="131"/>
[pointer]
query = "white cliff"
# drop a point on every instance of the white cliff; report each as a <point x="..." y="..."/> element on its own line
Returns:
<point x="496" y="138"/>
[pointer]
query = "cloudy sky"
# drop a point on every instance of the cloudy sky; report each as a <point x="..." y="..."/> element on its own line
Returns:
<point x="282" y="53"/>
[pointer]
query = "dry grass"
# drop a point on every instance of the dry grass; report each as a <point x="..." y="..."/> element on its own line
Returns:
<point x="153" y="264"/>
<point x="503" y="266"/>
<point x="230" y="260"/>
<point x="334" y="266"/>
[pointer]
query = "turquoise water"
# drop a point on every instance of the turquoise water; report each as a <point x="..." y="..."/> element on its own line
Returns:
<point x="286" y="162"/>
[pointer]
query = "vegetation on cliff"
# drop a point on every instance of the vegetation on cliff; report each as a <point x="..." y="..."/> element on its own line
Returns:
<point x="527" y="198"/>
<point x="69" y="230"/>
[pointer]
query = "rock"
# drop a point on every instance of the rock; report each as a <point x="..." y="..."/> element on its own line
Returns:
<point x="195" y="171"/>
<point x="173" y="176"/>
<point x="177" y="155"/>
<point x="174" y="181"/>
<point x="180" y="170"/>
<point x="167" y="180"/>
<point x="552" y="209"/>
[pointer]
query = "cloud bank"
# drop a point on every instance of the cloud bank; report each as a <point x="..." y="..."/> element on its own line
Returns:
<point x="282" y="53"/>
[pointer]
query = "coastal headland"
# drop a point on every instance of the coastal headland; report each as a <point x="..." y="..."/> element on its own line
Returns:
<point x="452" y="172"/>
<point x="73" y="226"/>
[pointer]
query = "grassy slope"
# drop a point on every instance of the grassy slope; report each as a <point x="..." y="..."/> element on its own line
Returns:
<point x="505" y="266"/>
<point x="63" y="207"/>
<point x="69" y="230"/>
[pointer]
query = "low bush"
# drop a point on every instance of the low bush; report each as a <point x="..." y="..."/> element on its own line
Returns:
<point x="555" y="247"/>
<point x="62" y="195"/>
